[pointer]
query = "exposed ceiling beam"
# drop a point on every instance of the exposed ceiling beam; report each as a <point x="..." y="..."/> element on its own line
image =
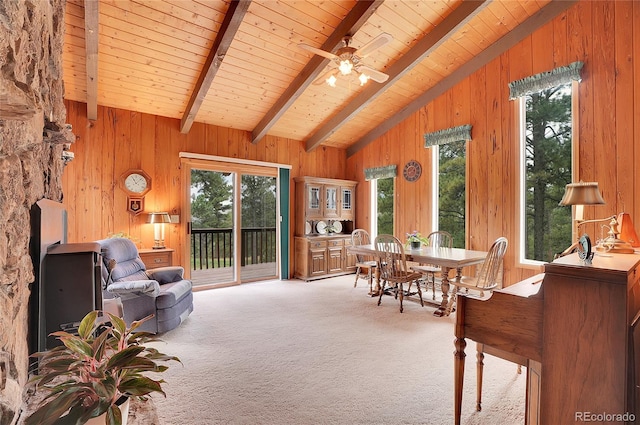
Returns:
<point x="350" y="25"/>
<point x="413" y="57"/>
<point x="543" y="16"/>
<point x="230" y="25"/>
<point x="91" y="12"/>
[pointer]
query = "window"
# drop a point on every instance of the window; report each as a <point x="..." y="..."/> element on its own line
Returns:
<point x="546" y="167"/>
<point x="382" y="206"/>
<point x="450" y="190"/>
<point x="382" y="187"/>
<point x="449" y="180"/>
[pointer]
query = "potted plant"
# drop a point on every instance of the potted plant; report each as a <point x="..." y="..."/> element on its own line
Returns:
<point x="93" y="371"/>
<point x="415" y="239"/>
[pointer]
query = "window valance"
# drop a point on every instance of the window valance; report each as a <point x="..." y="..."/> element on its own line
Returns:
<point x="380" y="172"/>
<point x="545" y="80"/>
<point x="448" y="135"/>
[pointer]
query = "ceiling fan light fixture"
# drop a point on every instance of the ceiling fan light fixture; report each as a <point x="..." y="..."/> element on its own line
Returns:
<point x="331" y="80"/>
<point x="345" y="67"/>
<point x="363" y="79"/>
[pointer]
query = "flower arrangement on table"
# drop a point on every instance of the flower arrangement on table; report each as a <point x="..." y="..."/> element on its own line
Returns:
<point x="415" y="239"/>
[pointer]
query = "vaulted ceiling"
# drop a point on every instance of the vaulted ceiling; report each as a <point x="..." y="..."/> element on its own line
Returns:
<point x="238" y="64"/>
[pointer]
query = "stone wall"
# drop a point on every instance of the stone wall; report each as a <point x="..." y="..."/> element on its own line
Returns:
<point x="31" y="96"/>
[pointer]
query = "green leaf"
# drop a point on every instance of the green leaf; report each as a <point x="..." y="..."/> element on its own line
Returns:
<point x="114" y="416"/>
<point x="118" y="323"/>
<point x="124" y="357"/>
<point x="137" y="323"/>
<point x="78" y="345"/>
<point x="49" y="412"/>
<point x="141" y="385"/>
<point x="86" y="325"/>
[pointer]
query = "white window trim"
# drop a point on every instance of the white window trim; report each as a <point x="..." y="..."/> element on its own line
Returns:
<point x="373" y="213"/>
<point x="435" y="185"/>
<point x="520" y="114"/>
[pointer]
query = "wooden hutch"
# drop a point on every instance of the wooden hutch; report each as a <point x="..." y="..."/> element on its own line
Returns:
<point x="325" y="214"/>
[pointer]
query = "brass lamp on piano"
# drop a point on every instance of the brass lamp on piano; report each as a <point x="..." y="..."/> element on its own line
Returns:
<point x="588" y="193"/>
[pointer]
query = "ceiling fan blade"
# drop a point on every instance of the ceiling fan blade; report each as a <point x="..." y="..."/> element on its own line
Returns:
<point x="373" y="45"/>
<point x="377" y="76"/>
<point x="318" y="52"/>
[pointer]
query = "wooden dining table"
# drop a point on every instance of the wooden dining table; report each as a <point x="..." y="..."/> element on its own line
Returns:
<point x="446" y="258"/>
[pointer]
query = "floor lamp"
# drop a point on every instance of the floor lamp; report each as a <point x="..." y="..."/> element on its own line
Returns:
<point x="588" y="193"/>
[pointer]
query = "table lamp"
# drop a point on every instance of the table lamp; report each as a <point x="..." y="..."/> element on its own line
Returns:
<point x="588" y="193"/>
<point x="158" y="219"/>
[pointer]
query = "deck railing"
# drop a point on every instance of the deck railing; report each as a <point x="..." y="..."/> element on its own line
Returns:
<point x="213" y="248"/>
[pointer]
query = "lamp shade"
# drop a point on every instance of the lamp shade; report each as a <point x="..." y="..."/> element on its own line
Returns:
<point x="583" y="193"/>
<point x="627" y="231"/>
<point x="159" y="217"/>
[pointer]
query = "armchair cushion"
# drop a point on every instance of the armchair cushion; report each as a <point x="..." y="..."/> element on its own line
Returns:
<point x="172" y="293"/>
<point x="149" y="288"/>
<point x="166" y="274"/>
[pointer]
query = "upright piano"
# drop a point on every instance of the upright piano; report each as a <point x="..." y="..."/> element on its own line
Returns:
<point x="573" y="327"/>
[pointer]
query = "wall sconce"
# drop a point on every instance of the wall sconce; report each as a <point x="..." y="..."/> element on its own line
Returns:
<point x="158" y="219"/>
<point x="588" y="193"/>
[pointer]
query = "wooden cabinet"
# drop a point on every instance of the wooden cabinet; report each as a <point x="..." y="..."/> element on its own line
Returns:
<point x="331" y="204"/>
<point x="347" y="196"/>
<point x="323" y="256"/>
<point x="587" y="355"/>
<point x="154" y="258"/>
<point x="323" y="199"/>
<point x="329" y="200"/>
<point x="573" y="331"/>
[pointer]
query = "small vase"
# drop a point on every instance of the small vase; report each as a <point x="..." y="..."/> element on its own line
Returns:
<point x="415" y="244"/>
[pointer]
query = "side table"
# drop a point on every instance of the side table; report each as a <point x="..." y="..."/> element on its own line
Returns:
<point x="154" y="258"/>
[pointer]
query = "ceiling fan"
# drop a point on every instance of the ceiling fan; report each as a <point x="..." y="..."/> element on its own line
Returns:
<point x="348" y="59"/>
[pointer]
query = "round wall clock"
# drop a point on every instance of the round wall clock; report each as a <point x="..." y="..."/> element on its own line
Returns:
<point x="412" y="171"/>
<point x="136" y="182"/>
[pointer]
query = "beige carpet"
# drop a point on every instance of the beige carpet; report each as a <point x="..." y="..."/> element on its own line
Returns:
<point x="292" y="352"/>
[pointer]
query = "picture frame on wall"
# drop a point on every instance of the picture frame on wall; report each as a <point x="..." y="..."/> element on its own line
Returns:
<point x="135" y="204"/>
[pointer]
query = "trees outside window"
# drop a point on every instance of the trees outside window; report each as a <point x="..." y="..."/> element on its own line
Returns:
<point x="546" y="151"/>
<point x="211" y="199"/>
<point x="451" y="190"/>
<point x="384" y="206"/>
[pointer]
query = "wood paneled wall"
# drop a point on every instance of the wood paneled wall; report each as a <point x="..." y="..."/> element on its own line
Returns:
<point x="120" y="140"/>
<point x="598" y="33"/>
<point x="601" y="34"/>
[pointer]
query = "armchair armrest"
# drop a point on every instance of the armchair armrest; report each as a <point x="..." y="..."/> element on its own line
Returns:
<point x="166" y="274"/>
<point x="134" y="288"/>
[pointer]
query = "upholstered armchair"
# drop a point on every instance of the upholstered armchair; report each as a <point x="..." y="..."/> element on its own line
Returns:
<point x="162" y="292"/>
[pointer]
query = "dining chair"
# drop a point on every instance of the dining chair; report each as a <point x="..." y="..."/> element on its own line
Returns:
<point x="392" y="266"/>
<point x="490" y="274"/>
<point x="363" y="262"/>
<point x="437" y="239"/>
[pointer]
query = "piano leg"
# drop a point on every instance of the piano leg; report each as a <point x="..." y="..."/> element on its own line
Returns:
<point x="480" y="367"/>
<point x="458" y="361"/>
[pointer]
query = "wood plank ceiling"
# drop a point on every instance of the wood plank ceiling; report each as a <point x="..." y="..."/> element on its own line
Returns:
<point x="238" y="64"/>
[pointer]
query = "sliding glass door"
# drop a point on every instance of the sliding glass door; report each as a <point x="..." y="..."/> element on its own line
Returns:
<point x="258" y="242"/>
<point x="233" y="226"/>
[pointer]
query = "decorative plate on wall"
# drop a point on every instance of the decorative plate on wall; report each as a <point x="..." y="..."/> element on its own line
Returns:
<point x="412" y="171"/>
